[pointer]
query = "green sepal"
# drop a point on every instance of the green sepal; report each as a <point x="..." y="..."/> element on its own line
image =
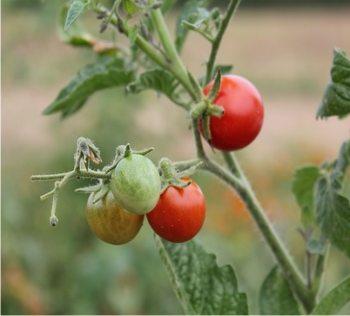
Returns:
<point x="100" y="194"/>
<point x="89" y="189"/>
<point x="216" y="87"/>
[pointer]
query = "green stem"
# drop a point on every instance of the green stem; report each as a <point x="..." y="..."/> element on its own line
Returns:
<point x="278" y="249"/>
<point x="182" y="165"/>
<point x="232" y="163"/>
<point x="177" y="67"/>
<point x="217" y="40"/>
<point x="318" y="273"/>
<point x="91" y="174"/>
<point x="198" y="140"/>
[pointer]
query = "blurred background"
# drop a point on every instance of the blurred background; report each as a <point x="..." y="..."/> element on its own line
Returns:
<point x="285" y="50"/>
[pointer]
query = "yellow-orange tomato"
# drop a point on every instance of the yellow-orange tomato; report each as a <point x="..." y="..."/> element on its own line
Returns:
<point x="110" y="222"/>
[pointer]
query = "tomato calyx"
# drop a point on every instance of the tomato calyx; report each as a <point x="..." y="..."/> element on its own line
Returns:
<point x="172" y="176"/>
<point x="100" y="190"/>
<point x="123" y="151"/>
<point x="206" y="108"/>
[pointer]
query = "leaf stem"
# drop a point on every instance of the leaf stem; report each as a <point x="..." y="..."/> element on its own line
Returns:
<point x="217" y="40"/>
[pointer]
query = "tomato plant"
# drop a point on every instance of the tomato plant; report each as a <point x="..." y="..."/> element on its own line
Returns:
<point x="243" y="113"/>
<point x="110" y="222"/>
<point x="227" y="111"/>
<point x="179" y="213"/>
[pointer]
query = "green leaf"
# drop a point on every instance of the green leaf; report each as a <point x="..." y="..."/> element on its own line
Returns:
<point x="167" y="5"/>
<point x="336" y="100"/>
<point x="276" y="297"/>
<point x="303" y="190"/>
<point x="332" y="208"/>
<point x="76" y="8"/>
<point x="105" y="73"/>
<point x="333" y="214"/>
<point x="334" y="300"/>
<point x="131" y="7"/>
<point x="159" y="80"/>
<point x="201" y="285"/>
<point x="75" y="35"/>
<point x="189" y="12"/>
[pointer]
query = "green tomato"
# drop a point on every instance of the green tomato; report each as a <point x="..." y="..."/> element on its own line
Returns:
<point x="136" y="184"/>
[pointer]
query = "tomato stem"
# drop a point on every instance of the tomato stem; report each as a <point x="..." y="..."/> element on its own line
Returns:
<point x="90" y="174"/>
<point x="277" y="247"/>
<point x="217" y="40"/>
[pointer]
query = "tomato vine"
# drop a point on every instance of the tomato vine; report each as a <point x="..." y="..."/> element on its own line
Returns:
<point x="168" y="70"/>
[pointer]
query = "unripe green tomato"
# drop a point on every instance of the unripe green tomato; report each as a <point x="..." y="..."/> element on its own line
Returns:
<point x="136" y="184"/>
<point x="110" y="222"/>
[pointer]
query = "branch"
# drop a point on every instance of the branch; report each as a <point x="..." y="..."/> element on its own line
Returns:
<point x="217" y="40"/>
<point x="283" y="258"/>
<point x="91" y="174"/>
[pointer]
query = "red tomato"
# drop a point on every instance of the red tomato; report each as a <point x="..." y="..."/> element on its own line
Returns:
<point x="179" y="214"/>
<point x="243" y="116"/>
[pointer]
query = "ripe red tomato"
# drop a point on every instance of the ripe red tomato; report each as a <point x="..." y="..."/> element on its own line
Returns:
<point x="243" y="116"/>
<point x="179" y="213"/>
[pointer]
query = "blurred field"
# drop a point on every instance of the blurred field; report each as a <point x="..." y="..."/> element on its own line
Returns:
<point x="66" y="270"/>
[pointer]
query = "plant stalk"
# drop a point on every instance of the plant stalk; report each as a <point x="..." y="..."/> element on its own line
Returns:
<point x="233" y="5"/>
<point x="177" y="67"/>
<point x="277" y="247"/>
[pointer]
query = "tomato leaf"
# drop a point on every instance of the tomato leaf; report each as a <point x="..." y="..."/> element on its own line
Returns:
<point x="158" y="80"/>
<point x="201" y="285"/>
<point x="334" y="300"/>
<point x="76" y="8"/>
<point x="190" y="12"/>
<point x="131" y="7"/>
<point x="336" y="100"/>
<point x="105" y="73"/>
<point x="332" y="208"/>
<point x="167" y="5"/>
<point x="276" y="297"/>
<point x="75" y="35"/>
<point x="303" y="190"/>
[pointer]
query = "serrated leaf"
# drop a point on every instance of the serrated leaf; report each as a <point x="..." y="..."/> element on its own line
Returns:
<point x="105" y="73"/>
<point x="303" y="190"/>
<point x="201" y="285"/>
<point x="76" y="8"/>
<point x="333" y="214"/>
<point x="276" y="297"/>
<point x="336" y="99"/>
<point x="75" y="35"/>
<point x="334" y="300"/>
<point x="189" y="12"/>
<point x="158" y="80"/>
<point x="332" y="208"/>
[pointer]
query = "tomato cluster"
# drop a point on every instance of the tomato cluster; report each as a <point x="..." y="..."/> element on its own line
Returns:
<point x="178" y="212"/>
<point x="176" y="215"/>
